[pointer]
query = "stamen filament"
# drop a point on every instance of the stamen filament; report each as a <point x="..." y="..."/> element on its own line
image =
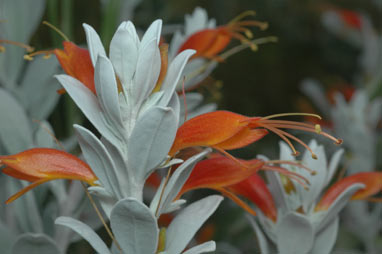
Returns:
<point x="18" y="44"/>
<point x="292" y="175"/>
<point x="241" y="16"/>
<point x="246" y="31"/>
<point x="261" y="25"/>
<point x="309" y="129"/>
<point x="245" y="41"/>
<point x="46" y="53"/>
<point x="291" y="114"/>
<point x="296" y="164"/>
<point x="278" y="133"/>
<point x="56" y="29"/>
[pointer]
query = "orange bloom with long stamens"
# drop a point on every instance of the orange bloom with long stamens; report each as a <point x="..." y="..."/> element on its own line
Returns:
<point x="218" y="173"/>
<point x="76" y="62"/>
<point x="208" y="43"/>
<point x="371" y="180"/>
<point x="224" y="130"/>
<point x="39" y="165"/>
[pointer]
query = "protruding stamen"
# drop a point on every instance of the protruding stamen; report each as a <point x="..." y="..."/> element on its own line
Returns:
<point x="16" y="43"/>
<point x="57" y="30"/>
<point x="292" y="175"/>
<point x="241" y="16"/>
<point x="262" y="25"/>
<point x="291" y="114"/>
<point x="292" y="163"/>
<point x="46" y="53"/>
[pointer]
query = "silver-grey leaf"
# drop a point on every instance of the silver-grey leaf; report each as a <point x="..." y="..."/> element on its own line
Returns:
<point x="134" y="227"/>
<point x="86" y="232"/>
<point x="150" y="140"/>
<point x="184" y="226"/>
<point x="99" y="160"/>
<point x="34" y="244"/>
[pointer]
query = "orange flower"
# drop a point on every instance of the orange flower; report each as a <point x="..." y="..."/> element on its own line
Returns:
<point x="76" y="62"/>
<point x="254" y="189"/>
<point x="208" y="43"/>
<point x="224" y="130"/>
<point x="39" y="165"/>
<point x="371" y="180"/>
<point x="220" y="172"/>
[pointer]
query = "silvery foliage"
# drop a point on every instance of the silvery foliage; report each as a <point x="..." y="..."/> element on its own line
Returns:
<point x="199" y="68"/>
<point x="300" y="229"/>
<point x="137" y="125"/>
<point x="27" y="225"/>
<point x="137" y="128"/>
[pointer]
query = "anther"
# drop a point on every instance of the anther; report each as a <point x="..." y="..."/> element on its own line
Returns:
<point x="317" y="127"/>
<point x="296" y="153"/>
<point x="2" y="49"/>
<point x="339" y="142"/>
<point x="28" y="58"/>
<point x="314" y="156"/>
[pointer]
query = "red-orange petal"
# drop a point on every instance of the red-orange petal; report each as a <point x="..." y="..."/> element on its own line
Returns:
<point x="208" y="129"/>
<point x="76" y="62"/>
<point x="254" y="189"/>
<point x="372" y="181"/>
<point x="219" y="172"/>
<point x="243" y="138"/>
<point x="207" y="42"/>
<point x="47" y="163"/>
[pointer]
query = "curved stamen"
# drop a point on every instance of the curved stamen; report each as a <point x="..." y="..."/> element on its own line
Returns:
<point x="292" y="175"/>
<point x="241" y="16"/>
<point x="315" y="129"/>
<point x="292" y="163"/>
<point x="18" y="44"/>
<point x="56" y="29"/>
<point x="291" y="114"/>
<point x="47" y="54"/>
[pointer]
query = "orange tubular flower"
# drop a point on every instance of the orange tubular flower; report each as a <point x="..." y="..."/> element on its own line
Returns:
<point x="254" y="189"/>
<point x="371" y="180"/>
<point x="220" y="172"/>
<point x="208" y="43"/>
<point x="39" y="165"/>
<point x="224" y="130"/>
<point x="76" y="62"/>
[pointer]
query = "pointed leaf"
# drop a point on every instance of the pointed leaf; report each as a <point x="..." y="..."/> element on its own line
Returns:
<point x="107" y="90"/>
<point x="147" y="72"/>
<point x="184" y="226"/>
<point x="124" y="52"/>
<point x="173" y="74"/>
<point x="86" y="232"/>
<point x="94" y="43"/>
<point x="151" y="140"/>
<point x="88" y="104"/>
<point x="99" y="160"/>
<point x="134" y="227"/>
<point x="177" y="180"/>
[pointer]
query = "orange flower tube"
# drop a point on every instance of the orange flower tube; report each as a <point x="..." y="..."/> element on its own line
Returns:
<point x="76" y="62"/>
<point x="224" y="130"/>
<point x="39" y="165"/>
<point x="371" y="180"/>
<point x="210" y="42"/>
<point x="220" y="172"/>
